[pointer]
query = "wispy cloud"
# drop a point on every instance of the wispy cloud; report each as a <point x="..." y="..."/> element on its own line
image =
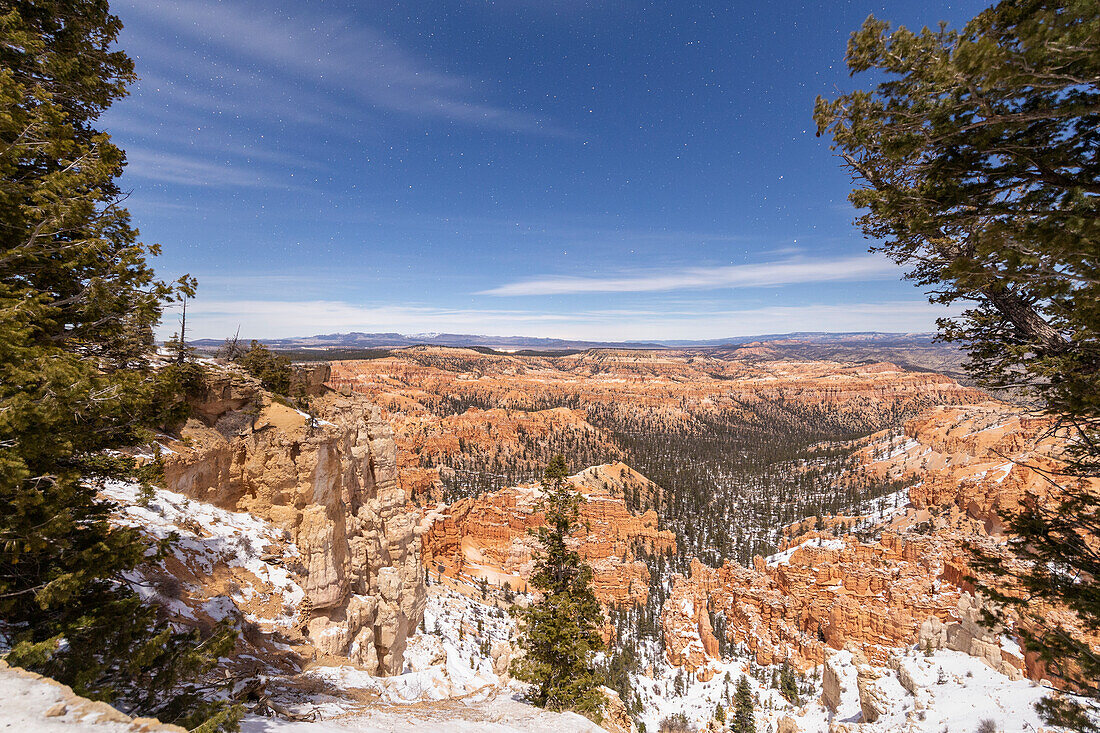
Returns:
<point x="275" y="57"/>
<point x="278" y="319"/>
<point x="191" y="171"/>
<point x="766" y="274"/>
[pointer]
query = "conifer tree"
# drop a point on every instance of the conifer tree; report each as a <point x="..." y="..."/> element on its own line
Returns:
<point x="273" y="370"/>
<point x="177" y="345"/>
<point x="744" y="716"/>
<point x="788" y="684"/>
<point x="978" y="161"/>
<point x="78" y="304"/>
<point x="560" y="632"/>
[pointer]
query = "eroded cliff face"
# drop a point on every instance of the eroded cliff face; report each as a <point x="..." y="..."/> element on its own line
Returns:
<point x="902" y="577"/>
<point x="331" y="484"/>
<point x="518" y="419"/>
<point x="488" y="536"/>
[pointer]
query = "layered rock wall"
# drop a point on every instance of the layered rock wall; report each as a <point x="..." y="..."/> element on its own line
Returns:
<point x="489" y="536"/>
<point x="330" y="483"/>
<point x="466" y="410"/>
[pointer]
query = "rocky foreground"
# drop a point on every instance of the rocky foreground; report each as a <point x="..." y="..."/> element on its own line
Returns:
<point x="30" y="703"/>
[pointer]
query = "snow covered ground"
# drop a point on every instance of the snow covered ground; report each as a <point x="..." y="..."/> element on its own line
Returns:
<point x="455" y="678"/>
<point x="947" y="691"/>
<point x="784" y="557"/>
<point x="496" y="714"/>
<point x="451" y="684"/>
<point x="258" y="554"/>
<point x="698" y="701"/>
<point x="29" y="704"/>
<point x="462" y="650"/>
<point x="33" y="704"/>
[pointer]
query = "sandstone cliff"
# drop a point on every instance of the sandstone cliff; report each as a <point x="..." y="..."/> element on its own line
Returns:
<point x="330" y="483"/>
<point x="487" y="536"/>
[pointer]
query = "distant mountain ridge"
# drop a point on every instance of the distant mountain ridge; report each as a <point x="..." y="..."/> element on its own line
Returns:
<point x="358" y="340"/>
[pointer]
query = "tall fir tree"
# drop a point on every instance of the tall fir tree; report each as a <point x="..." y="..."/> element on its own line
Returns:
<point x="560" y="632"/>
<point x="78" y="304"/>
<point x="744" y="714"/>
<point x="788" y="684"/>
<point x="978" y="162"/>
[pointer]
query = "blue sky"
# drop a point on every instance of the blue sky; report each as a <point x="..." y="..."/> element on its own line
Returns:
<point x="612" y="169"/>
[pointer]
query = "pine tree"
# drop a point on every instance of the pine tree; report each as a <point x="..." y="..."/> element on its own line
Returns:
<point x="560" y="632"/>
<point x="744" y="716"/>
<point x="78" y="305"/>
<point x="788" y="684"/>
<point x="273" y="370"/>
<point x="979" y="160"/>
<point x="177" y="346"/>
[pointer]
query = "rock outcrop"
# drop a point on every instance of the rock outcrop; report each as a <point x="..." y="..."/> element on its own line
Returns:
<point x="615" y="717"/>
<point x="330" y="482"/>
<point x="831" y="686"/>
<point x="31" y="702"/>
<point x="970" y="635"/>
<point x="873" y="701"/>
<point x="488" y="536"/>
<point x="786" y="724"/>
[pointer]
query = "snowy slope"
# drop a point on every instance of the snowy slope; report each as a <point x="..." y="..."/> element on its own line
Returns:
<point x="30" y="703"/>
<point x="501" y="714"/>
<point x="454" y="681"/>
<point x="254" y="554"/>
<point x="950" y="691"/>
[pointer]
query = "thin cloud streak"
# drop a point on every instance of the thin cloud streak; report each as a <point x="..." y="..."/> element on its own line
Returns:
<point x="191" y="171"/>
<point x="283" y="319"/>
<point x="768" y="274"/>
<point x="336" y="54"/>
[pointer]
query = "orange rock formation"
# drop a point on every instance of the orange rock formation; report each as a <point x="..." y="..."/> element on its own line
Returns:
<point x="877" y="594"/>
<point x="331" y="484"/>
<point x="487" y="537"/>
<point x="425" y="392"/>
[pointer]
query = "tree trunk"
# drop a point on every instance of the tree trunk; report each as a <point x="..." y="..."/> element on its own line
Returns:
<point x="1024" y="317"/>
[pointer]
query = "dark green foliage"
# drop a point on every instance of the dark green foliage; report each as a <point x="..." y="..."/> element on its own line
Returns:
<point x="980" y="163"/>
<point x="559" y="633"/>
<point x="788" y="684"/>
<point x="78" y="304"/>
<point x="622" y="659"/>
<point x="173" y="385"/>
<point x="273" y="370"/>
<point x="744" y="716"/>
<point x="176" y="346"/>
